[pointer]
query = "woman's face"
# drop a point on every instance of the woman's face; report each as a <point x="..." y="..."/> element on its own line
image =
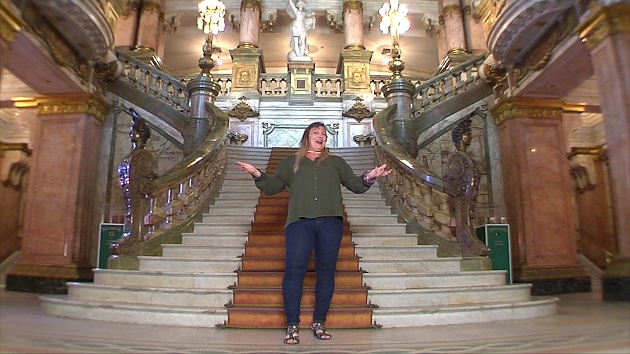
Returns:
<point x="317" y="139"/>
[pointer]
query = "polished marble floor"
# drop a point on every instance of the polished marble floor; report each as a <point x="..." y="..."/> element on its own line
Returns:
<point x="582" y="325"/>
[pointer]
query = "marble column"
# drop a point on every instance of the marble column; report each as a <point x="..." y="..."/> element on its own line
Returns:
<point x="538" y="195"/>
<point x="475" y="34"/>
<point x="606" y="34"/>
<point x="250" y="24"/>
<point x="353" y="25"/>
<point x="244" y="98"/>
<point x="454" y="32"/>
<point x="59" y="219"/>
<point x="149" y="29"/>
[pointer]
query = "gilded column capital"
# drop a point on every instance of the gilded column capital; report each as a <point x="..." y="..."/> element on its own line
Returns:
<point x="603" y="22"/>
<point x="529" y="108"/>
<point x="80" y="103"/>
<point x="10" y="23"/>
<point x="251" y="4"/>
<point x="352" y="5"/>
<point x="449" y="10"/>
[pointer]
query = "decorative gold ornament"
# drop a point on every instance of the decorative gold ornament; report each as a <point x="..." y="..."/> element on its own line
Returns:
<point x="242" y="110"/>
<point x="358" y="111"/>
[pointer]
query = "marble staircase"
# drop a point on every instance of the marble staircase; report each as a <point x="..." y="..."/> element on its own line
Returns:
<point x="192" y="283"/>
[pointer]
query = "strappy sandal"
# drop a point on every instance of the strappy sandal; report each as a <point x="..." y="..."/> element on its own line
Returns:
<point x="292" y="336"/>
<point x="319" y="331"/>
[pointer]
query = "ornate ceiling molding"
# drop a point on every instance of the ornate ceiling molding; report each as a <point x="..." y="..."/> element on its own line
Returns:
<point x="83" y="24"/>
<point x="519" y="26"/>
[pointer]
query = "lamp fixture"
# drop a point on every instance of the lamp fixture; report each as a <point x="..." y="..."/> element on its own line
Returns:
<point x="394" y="22"/>
<point x="211" y="16"/>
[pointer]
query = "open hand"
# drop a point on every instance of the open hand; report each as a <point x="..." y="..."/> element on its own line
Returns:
<point x="379" y="171"/>
<point x="247" y="168"/>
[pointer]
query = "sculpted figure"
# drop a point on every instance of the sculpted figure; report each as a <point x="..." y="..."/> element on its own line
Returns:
<point x="462" y="182"/>
<point x="303" y="22"/>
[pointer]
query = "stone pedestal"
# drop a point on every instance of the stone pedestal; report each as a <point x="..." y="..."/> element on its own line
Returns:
<point x="357" y="97"/>
<point x="538" y="192"/>
<point x="301" y="86"/>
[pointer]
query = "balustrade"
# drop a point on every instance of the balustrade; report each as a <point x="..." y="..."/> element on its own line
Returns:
<point x="448" y="84"/>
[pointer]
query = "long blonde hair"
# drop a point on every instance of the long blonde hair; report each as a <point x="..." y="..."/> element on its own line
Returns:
<point x="301" y="153"/>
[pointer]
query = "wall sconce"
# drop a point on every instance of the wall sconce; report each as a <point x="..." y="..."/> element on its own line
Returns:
<point x="432" y="30"/>
<point x="334" y="25"/>
<point x="235" y="22"/>
<point x="367" y="26"/>
<point x="267" y="25"/>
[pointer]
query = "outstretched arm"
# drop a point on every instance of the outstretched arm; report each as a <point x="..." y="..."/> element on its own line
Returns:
<point x="292" y="9"/>
<point x="245" y="167"/>
<point x="376" y="172"/>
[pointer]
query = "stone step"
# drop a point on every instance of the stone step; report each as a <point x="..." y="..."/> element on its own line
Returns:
<point x="439" y="265"/>
<point x="196" y="251"/>
<point x="397" y="252"/>
<point x="414" y="316"/>
<point x="236" y="219"/>
<point x="376" y="240"/>
<point x="374" y="219"/>
<point x="199" y="239"/>
<point x="362" y="211"/>
<point x="149" y="295"/>
<point x="403" y="281"/>
<point x="235" y="202"/>
<point x="367" y="203"/>
<point x="222" y="228"/>
<point x="199" y="265"/>
<point x="451" y="296"/>
<point x="172" y="315"/>
<point x="382" y="229"/>
<point x="221" y="210"/>
<point x="183" y="280"/>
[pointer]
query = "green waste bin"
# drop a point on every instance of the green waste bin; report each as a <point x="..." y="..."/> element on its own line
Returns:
<point x="108" y="234"/>
<point x="497" y="238"/>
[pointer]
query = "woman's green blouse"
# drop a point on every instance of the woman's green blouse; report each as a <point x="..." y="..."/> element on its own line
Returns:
<point x="315" y="189"/>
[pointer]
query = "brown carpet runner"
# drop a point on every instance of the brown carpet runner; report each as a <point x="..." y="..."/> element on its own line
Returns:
<point x="257" y="296"/>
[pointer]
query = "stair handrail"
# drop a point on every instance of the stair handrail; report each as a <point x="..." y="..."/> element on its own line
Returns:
<point x="447" y="84"/>
<point x="154" y="82"/>
<point x="417" y="193"/>
<point x="164" y="206"/>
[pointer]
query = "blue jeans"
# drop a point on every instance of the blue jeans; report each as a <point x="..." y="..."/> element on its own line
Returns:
<point x="322" y="235"/>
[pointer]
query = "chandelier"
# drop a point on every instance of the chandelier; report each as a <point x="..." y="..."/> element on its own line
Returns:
<point x="394" y="18"/>
<point x="211" y="16"/>
<point x="394" y="21"/>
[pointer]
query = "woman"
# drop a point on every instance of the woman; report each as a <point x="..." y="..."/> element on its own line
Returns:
<point x="314" y="221"/>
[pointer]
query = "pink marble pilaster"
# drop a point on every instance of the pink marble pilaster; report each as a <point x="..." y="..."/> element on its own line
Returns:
<point x="250" y="23"/>
<point x="538" y="188"/>
<point x="353" y="24"/>
<point x="453" y="26"/>
<point x="58" y="221"/>
<point x="607" y="36"/>
<point x="473" y="26"/>
<point x="150" y="26"/>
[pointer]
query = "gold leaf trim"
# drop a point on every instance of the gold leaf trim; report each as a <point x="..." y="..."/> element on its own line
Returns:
<point x="530" y="108"/>
<point x="88" y="104"/>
